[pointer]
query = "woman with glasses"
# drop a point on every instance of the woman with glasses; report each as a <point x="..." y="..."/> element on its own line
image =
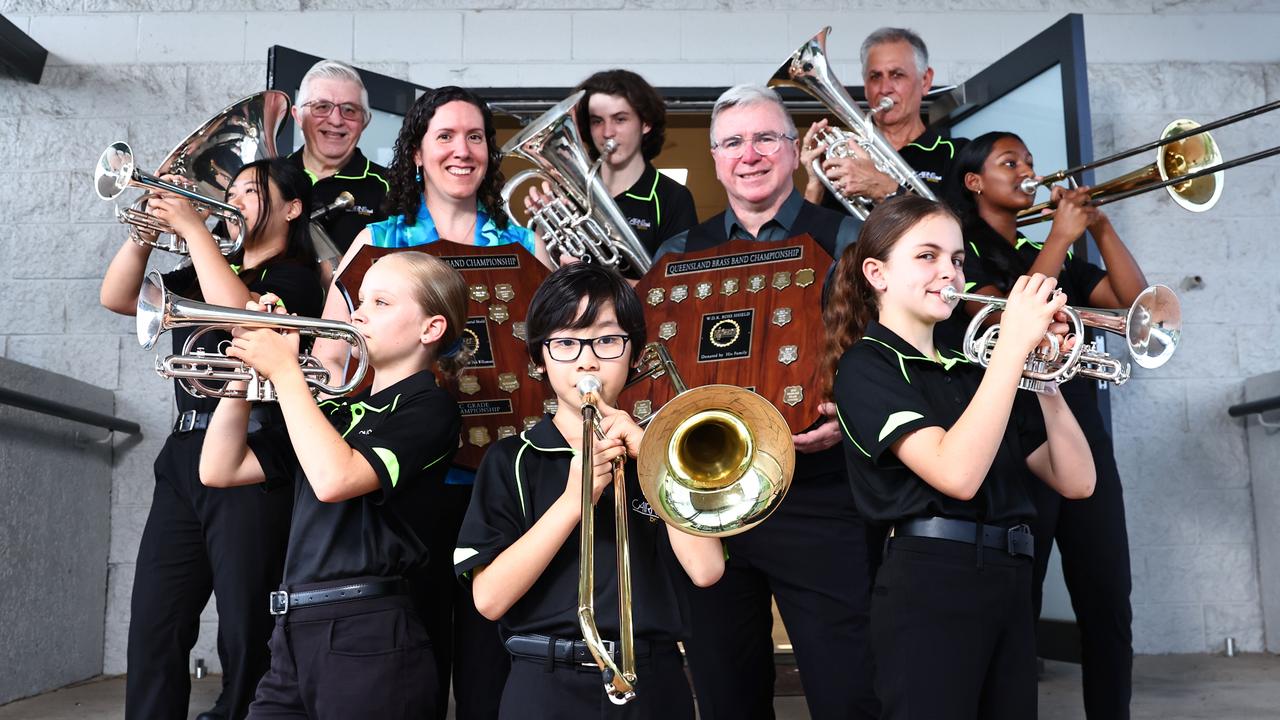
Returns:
<point x="517" y="547"/>
<point x="332" y="112"/>
<point x="621" y="108"/>
<point x="445" y="185"/>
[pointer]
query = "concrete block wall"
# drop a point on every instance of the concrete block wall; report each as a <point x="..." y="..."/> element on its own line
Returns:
<point x="149" y="71"/>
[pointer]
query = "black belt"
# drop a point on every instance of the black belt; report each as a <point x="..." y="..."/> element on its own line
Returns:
<point x="573" y="652"/>
<point x="1016" y="540"/>
<point x="283" y="601"/>
<point x="192" y="420"/>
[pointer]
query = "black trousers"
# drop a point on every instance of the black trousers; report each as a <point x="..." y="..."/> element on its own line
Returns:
<point x="953" y="636"/>
<point x="366" y="658"/>
<point x="811" y="555"/>
<point x="467" y="647"/>
<point x="199" y="540"/>
<point x="538" y="690"/>
<point x="1094" y="544"/>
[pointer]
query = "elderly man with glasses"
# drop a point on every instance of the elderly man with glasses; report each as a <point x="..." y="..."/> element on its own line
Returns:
<point x="811" y="555"/>
<point x="333" y="111"/>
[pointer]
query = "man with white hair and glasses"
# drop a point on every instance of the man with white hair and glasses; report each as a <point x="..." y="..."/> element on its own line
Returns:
<point x="333" y="110"/>
<point x="811" y="554"/>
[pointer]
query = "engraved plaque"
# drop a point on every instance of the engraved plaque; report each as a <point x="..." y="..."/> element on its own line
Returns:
<point x="530" y="421"/>
<point x="479" y="293"/>
<point x="468" y="384"/>
<point x="804" y="277"/>
<point x="724" y="332"/>
<point x="478" y="436"/>
<point x="782" y="279"/>
<point x="498" y="313"/>
<point x="725" y="335"/>
<point x="655" y="296"/>
<point x="793" y="395"/>
<point x="782" y="316"/>
<point x="504" y="292"/>
<point x="534" y="371"/>
<point x="755" y="283"/>
<point x="520" y="330"/>
<point x="702" y="291"/>
<point x="550" y="406"/>
<point x="729" y="286"/>
<point x="506" y="431"/>
<point x="679" y="293"/>
<point x="788" y="354"/>
<point x="667" y="330"/>
<point x="508" y="382"/>
<point x="642" y="409"/>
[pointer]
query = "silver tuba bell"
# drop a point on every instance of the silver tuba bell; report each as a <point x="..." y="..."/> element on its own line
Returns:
<point x="160" y="311"/>
<point x="580" y="219"/>
<point x="807" y="69"/>
<point x="206" y="161"/>
<point x="1151" y="327"/>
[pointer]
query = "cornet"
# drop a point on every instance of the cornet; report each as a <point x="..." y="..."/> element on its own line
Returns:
<point x="160" y="311"/>
<point x="1151" y="327"/>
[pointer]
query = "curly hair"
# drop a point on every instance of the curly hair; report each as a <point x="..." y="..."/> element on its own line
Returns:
<point x="405" y="196"/>
<point x="853" y="303"/>
<point x="639" y="94"/>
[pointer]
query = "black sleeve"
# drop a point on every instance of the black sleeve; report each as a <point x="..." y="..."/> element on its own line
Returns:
<point x="679" y="214"/>
<point x="1084" y="277"/>
<point x="977" y="274"/>
<point x="181" y="280"/>
<point x="420" y="434"/>
<point x="275" y="454"/>
<point x="496" y="517"/>
<point x="876" y="403"/>
<point x="296" y="284"/>
<point x="1028" y="421"/>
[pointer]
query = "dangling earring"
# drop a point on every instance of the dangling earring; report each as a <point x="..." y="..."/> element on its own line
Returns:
<point x="418" y="176"/>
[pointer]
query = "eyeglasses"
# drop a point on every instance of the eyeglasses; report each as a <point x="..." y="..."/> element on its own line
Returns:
<point x="605" y="347"/>
<point x="324" y="108"/>
<point x="765" y="143"/>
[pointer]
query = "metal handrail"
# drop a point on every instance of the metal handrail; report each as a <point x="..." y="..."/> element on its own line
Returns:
<point x="1254" y="406"/>
<point x="46" y="406"/>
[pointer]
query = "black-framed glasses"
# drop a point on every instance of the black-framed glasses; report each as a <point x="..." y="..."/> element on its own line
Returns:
<point x="765" y="143"/>
<point x="567" y="349"/>
<point x="324" y="108"/>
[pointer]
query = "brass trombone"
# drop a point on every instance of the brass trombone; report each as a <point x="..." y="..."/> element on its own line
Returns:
<point x="1151" y="327"/>
<point x="1188" y="164"/>
<point x="160" y="311"/>
<point x="715" y="461"/>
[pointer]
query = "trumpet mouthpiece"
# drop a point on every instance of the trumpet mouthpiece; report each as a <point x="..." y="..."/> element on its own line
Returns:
<point x="589" y="384"/>
<point x="949" y="293"/>
<point x="884" y="104"/>
<point x="610" y="146"/>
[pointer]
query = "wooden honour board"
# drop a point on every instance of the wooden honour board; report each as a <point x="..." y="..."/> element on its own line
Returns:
<point x="499" y="393"/>
<point x="744" y="313"/>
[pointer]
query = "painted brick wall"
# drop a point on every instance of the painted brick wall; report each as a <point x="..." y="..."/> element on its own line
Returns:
<point x="152" y="70"/>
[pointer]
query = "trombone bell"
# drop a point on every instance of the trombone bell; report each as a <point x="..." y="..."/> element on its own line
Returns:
<point x="1187" y="156"/>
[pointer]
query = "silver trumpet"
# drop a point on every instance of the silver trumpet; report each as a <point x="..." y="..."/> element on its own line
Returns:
<point x="1151" y="327"/>
<point x="807" y="69"/>
<point x="580" y="219"/>
<point x="160" y="311"/>
<point x="206" y="161"/>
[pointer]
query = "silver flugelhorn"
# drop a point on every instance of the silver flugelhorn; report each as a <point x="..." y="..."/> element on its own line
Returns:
<point x="1151" y="327"/>
<point x="207" y="160"/>
<point x="160" y="311"/>
<point x="580" y="219"/>
<point x="807" y="69"/>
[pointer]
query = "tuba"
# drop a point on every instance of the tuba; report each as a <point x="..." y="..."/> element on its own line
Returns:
<point x="207" y="161"/>
<point x="160" y="311"/>
<point x="1151" y="327"/>
<point x="808" y="70"/>
<point x="580" y="219"/>
<point x="715" y="461"/>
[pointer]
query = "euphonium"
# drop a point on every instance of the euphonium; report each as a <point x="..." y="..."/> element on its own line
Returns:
<point x="580" y="219"/>
<point x="1151" y="327"/>
<point x="808" y="70"/>
<point x="160" y="311"/>
<point x="207" y="161"/>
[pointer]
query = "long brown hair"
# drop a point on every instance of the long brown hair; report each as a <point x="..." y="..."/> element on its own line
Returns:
<point x="854" y="303"/>
<point x="440" y="290"/>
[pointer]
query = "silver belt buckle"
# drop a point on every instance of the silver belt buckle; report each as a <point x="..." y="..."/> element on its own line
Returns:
<point x="609" y="646"/>
<point x="186" y="421"/>
<point x="279" y="603"/>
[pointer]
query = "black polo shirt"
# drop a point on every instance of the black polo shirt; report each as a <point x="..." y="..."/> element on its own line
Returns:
<point x="408" y="432"/>
<point x="930" y="155"/>
<point x="361" y="177"/>
<point x="657" y="207"/>
<point x="517" y="482"/>
<point x="296" y="284"/>
<point x="884" y="389"/>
